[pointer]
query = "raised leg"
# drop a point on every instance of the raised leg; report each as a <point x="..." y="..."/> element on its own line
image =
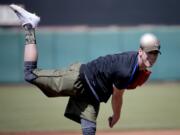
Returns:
<point x="29" y="22"/>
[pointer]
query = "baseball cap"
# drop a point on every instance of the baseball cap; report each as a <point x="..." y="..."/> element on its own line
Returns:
<point x="149" y="42"/>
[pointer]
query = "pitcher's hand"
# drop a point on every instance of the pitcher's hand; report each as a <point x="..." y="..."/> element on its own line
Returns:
<point x="112" y="121"/>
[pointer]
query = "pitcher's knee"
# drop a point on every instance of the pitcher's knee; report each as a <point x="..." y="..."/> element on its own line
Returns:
<point x="28" y="68"/>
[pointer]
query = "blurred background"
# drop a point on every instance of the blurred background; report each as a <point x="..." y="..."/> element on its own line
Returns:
<point x="81" y="30"/>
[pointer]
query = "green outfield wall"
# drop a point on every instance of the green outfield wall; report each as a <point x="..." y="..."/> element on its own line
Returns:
<point x="59" y="47"/>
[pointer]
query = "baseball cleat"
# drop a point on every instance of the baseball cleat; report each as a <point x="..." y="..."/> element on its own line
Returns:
<point x="24" y="16"/>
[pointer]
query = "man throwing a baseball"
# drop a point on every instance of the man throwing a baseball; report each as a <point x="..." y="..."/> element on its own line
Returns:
<point x="88" y="84"/>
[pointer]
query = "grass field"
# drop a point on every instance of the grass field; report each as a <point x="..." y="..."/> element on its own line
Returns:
<point x="153" y="106"/>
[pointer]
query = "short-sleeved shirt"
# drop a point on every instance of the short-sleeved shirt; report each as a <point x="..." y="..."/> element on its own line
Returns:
<point x="102" y="73"/>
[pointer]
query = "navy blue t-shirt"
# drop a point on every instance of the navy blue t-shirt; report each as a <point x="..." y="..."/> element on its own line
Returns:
<point x="102" y="73"/>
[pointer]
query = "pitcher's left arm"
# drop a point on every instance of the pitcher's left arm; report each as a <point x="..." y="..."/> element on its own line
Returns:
<point x="117" y="101"/>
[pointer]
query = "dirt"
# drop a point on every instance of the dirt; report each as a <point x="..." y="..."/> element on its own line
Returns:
<point x="158" y="132"/>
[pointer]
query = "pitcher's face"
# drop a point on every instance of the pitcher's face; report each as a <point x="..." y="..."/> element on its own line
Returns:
<point x="148" y="58"/>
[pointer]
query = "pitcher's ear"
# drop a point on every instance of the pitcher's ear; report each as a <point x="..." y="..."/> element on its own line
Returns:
<point x="140" y="51"/>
